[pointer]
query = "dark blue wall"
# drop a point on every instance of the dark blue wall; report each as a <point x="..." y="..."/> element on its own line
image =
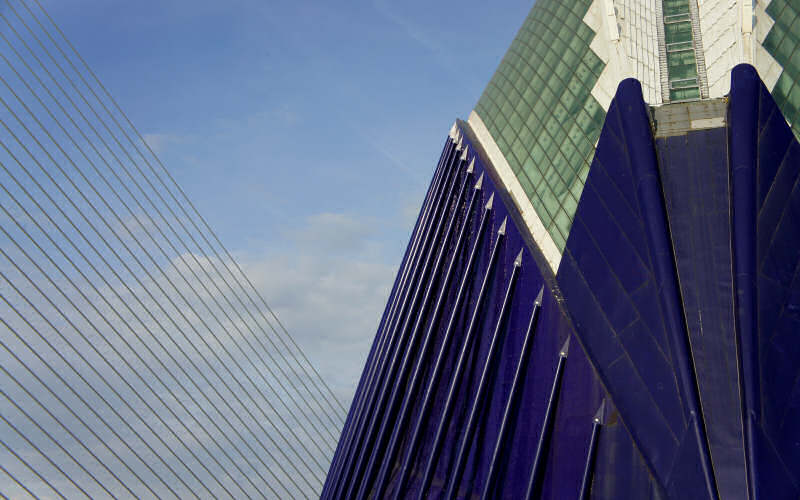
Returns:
<point x="679" y="291"/>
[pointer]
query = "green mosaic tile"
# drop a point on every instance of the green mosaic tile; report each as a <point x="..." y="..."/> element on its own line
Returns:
<point x="540" y="112"/>
<point x="563" y="222"/>
<point x="681" y="60"/>
<point x="783" y="43"/>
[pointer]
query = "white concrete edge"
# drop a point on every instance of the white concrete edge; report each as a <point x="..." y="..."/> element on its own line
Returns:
<point x="540" y="235"/>
<point x="453" y="131"/>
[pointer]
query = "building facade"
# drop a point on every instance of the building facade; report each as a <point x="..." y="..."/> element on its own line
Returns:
<point x="601" y="297"/>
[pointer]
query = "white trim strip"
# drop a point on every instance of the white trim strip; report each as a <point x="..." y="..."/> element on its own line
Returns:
<point x="540" y="235"/>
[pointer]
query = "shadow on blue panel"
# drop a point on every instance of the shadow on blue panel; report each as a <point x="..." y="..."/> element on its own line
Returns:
<point x="488" y="405"/>
<point x="681" y="278"/>
<point x="615" y="277"/>
<point x="680" y="290"/>
<point x="765" y="165"/>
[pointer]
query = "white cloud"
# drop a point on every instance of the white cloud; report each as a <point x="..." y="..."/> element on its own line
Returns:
<point x="160" y="142"/>
<point x="329" y="289"/>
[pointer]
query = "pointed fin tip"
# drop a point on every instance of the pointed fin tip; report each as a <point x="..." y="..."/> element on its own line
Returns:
<point x="518" y="260"/>
<point x="565" y="348"/>
<point x="490" y="203"/>
<point x="599" y="417"/>
<point x="502" y="229"/>
<point x="479" y="184"/>
<point x="538" y="300"/>
<point x="453" y="130"/>
<point x="471" y="167"/>
<point x="464" y="154"/>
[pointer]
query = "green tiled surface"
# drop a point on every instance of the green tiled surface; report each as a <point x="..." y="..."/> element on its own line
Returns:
<point x="681" y="61"/>
<point x="783" y="43"/>
<point x="540" y="111"/>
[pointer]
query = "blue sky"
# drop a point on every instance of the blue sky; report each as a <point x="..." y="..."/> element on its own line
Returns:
<point x="304" y="131"/>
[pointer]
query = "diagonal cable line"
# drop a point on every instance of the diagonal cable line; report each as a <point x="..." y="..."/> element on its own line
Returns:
<point x="112" y="170"/>
<point x="177" y="380"/>
<point x="74" y="327"/>
<point x="74" y="124"/>
<point x="180" y="190"/>
<point x="124" y="302"/>
<point x="28" y="440"/>
<point x="167" y="351"/>
<point x="122" y="261"/>
<point x="273" y="396"/>
<point x="75" y="371"/>
<point x="76" y="248"/>
<point x="164" y="253"/>
<point x="153" y="280"/>
<point x="55" y="395"/>
<point x="150" y="257"/>
<point x="133" y="179"/>
<point x="88" y="301"/>
<point x="18" y="482"/>
<point x="34" y="376"/>
<point x="133" y="143"/>
<point x="29" y="467"/>
<point x="49" y="435"/>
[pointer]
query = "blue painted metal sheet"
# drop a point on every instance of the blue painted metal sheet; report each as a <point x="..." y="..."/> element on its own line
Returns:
<point x="679" y="287"/>
<point x="563" y="461"/>
<point x="694" y="171"/>
<point x="765" y="166"/>
<point x="620" y="287"/>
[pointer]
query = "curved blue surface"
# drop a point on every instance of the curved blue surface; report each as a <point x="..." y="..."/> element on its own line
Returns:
<point x="765" y="206"/>
<point x="580" y="391"/>
<point x="680" y="285"/>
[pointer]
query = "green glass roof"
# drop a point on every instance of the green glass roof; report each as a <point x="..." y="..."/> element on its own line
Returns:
<point x="783" y="43"/>
<point x="681" y="61"/>
<point x="539" y="109"/>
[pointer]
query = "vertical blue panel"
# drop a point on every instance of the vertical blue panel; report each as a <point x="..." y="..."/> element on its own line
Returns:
<point x="581" y="390"/>
<point x="618" y="280"/>
<point x="765" y="165"/>
<point x="694" y="173"/>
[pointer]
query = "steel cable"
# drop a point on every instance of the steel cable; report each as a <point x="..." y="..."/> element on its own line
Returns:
<point x="144" y="192"/>
<point x="29" y="467"/>
<point x="191" y="296"/>
<point x="146" y="252"/>
<point x="88" y="301"/>
<point x="180" y="190"/>
<point x="122" y="261"/>
<point x="97" y="171"/>
<point x="119" y="258"/>
<point x="49" y="436"/>
<point x="164" y="253"/>
<point x="32" y="283"/>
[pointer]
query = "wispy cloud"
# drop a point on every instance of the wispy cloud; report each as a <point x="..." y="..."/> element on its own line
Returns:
<point x="446" y="56"/>
<point x="159" y="142"/>
<point x="329" y="288"/>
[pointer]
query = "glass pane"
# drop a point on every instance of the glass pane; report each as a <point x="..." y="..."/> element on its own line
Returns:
<point x="675" y="7"/>
<point x="684" y="94"/>
<point x="678" y="32"/>
<point x="681" y="65"/>
<point x="680" y="84"/>
<point x="542" y="90"/>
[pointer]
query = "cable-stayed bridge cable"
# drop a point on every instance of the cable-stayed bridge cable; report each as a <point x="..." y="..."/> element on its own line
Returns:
<point x="123" y="184"/>
<point x="122" y="261"/>
<point x="116" y="158"/>
<point x="108" y="206"/>
<point x="315" y="380"/>
<point x="167" y="359"/>
<point x="89" y="302"/>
